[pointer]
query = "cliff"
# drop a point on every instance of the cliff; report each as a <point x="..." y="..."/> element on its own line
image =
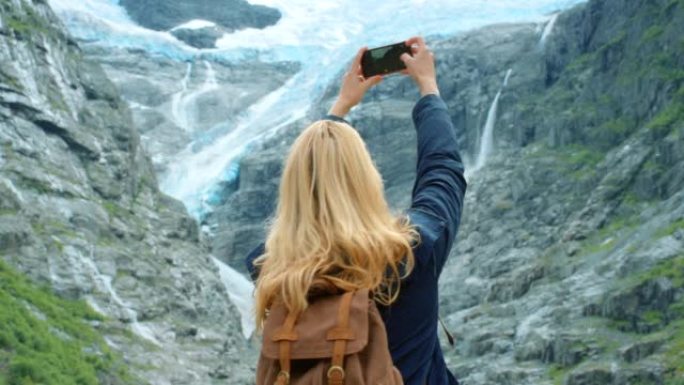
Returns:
<point x="81" y="213"/>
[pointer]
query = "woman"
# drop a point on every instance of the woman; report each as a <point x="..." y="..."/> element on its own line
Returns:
<point x="332" y="222"/>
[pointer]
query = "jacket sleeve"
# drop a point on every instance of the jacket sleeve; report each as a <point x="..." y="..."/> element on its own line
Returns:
<point x="440" y="185"/>
<point x="336" y="118"/>
<point x="249" y="261"/>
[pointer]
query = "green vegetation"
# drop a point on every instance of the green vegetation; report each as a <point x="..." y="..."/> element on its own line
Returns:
<point x="53" y="227"/>
<point x="652" y="33"/>
<point x="27" y="23"/>
<point x="615" y="130"/>
<point x="663" y="326"/>
<point x="576" y="155"/>
<point x="557" y="374"/>
<point x="56" y="101"/>
<point x="8" y="211"/>
<point x="605" y="238"/>
<point x="11" y="81"/>
<point x="578" y="161"/>
<point x="669" y="322"/>
<point x="575" y="160"/>
<point x="671" y="228"/>
<point x="615" y="41"/>
<point x="672" y="269"/>
<point x="48" y="340"/>
<point x="114" y="209"/>
<point x="663" y="123"/>
<point x="36" y="185"/>
<point x="674" y="354"/>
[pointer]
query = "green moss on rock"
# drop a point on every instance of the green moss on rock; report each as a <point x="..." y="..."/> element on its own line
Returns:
<point x="48" y="340"/>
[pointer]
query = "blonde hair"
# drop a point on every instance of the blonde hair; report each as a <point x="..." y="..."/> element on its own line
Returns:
<point x="332" y="224"/>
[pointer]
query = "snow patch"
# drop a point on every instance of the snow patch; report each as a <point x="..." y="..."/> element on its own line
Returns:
<point x="195" y="24"/>
<point x="240" y="291"/>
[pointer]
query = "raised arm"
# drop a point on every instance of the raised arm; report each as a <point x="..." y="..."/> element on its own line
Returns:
<point x="440" y="186"/>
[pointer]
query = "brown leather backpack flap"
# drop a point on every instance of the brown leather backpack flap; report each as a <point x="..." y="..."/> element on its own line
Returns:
<point x="316" y="328"/>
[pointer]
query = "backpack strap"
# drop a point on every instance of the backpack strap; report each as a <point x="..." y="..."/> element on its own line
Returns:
<point x="286" y="335"/>
<point x="340" y="335"/>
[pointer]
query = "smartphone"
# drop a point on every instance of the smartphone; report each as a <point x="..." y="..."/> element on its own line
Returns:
<point x="384" y="60"/>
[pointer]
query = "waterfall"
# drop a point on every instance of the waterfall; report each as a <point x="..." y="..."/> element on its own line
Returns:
<point x="548" y="28"/>
<point x="184" y="105"/>
<point x="178" y="113"/>
<point x="239" y="291"/>
<point x="103" y="283"/>
<point x="487" y="139"/>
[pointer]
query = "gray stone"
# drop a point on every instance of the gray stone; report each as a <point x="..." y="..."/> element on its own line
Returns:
<point x="233" y="14"/>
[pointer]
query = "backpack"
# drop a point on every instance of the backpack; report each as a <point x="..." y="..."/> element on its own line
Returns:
<point x="339" y="339"/>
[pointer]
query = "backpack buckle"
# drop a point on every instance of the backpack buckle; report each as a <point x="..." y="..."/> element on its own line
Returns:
<point x="283" y="378"/>
<point x="338" y="369"/>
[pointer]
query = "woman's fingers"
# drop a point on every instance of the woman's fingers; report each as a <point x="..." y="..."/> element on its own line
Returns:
<point x="417" y="40"/>
<point x="375" y="80"/>
<point x="356" y="63"/>
<point x="406" y="58"/>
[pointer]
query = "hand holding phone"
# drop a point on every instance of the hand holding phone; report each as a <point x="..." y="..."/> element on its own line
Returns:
<point x="354" y="87"/>
<point x="421" y="66"/>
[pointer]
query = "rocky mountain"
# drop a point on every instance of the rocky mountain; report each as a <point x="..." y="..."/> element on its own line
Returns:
<point x="569" y="264"/>
<point x="226" y="16"/>
<point x="81" y="214"/>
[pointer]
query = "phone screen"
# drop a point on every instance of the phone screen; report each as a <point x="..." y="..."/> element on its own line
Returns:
<point x="384" y="60"/>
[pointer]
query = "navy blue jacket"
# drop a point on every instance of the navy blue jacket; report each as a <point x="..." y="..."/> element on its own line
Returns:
<point x="436" y="205"/>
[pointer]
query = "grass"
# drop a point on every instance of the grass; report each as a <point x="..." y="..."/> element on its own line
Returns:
<point x="48" y="340"/>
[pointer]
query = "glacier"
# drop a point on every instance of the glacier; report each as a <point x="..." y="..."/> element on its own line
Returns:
<point x="323" y="36"/>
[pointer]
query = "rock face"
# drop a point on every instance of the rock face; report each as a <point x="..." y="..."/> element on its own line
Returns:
<point x="80" y="211"/>
<point x="228" y="16"/>
<point x="568" y="264"/>
<point x="199" y="37"/>
<point x="232" y="14"/>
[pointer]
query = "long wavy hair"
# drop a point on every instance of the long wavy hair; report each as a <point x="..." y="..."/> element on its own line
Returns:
<point x="332" y="225"/>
